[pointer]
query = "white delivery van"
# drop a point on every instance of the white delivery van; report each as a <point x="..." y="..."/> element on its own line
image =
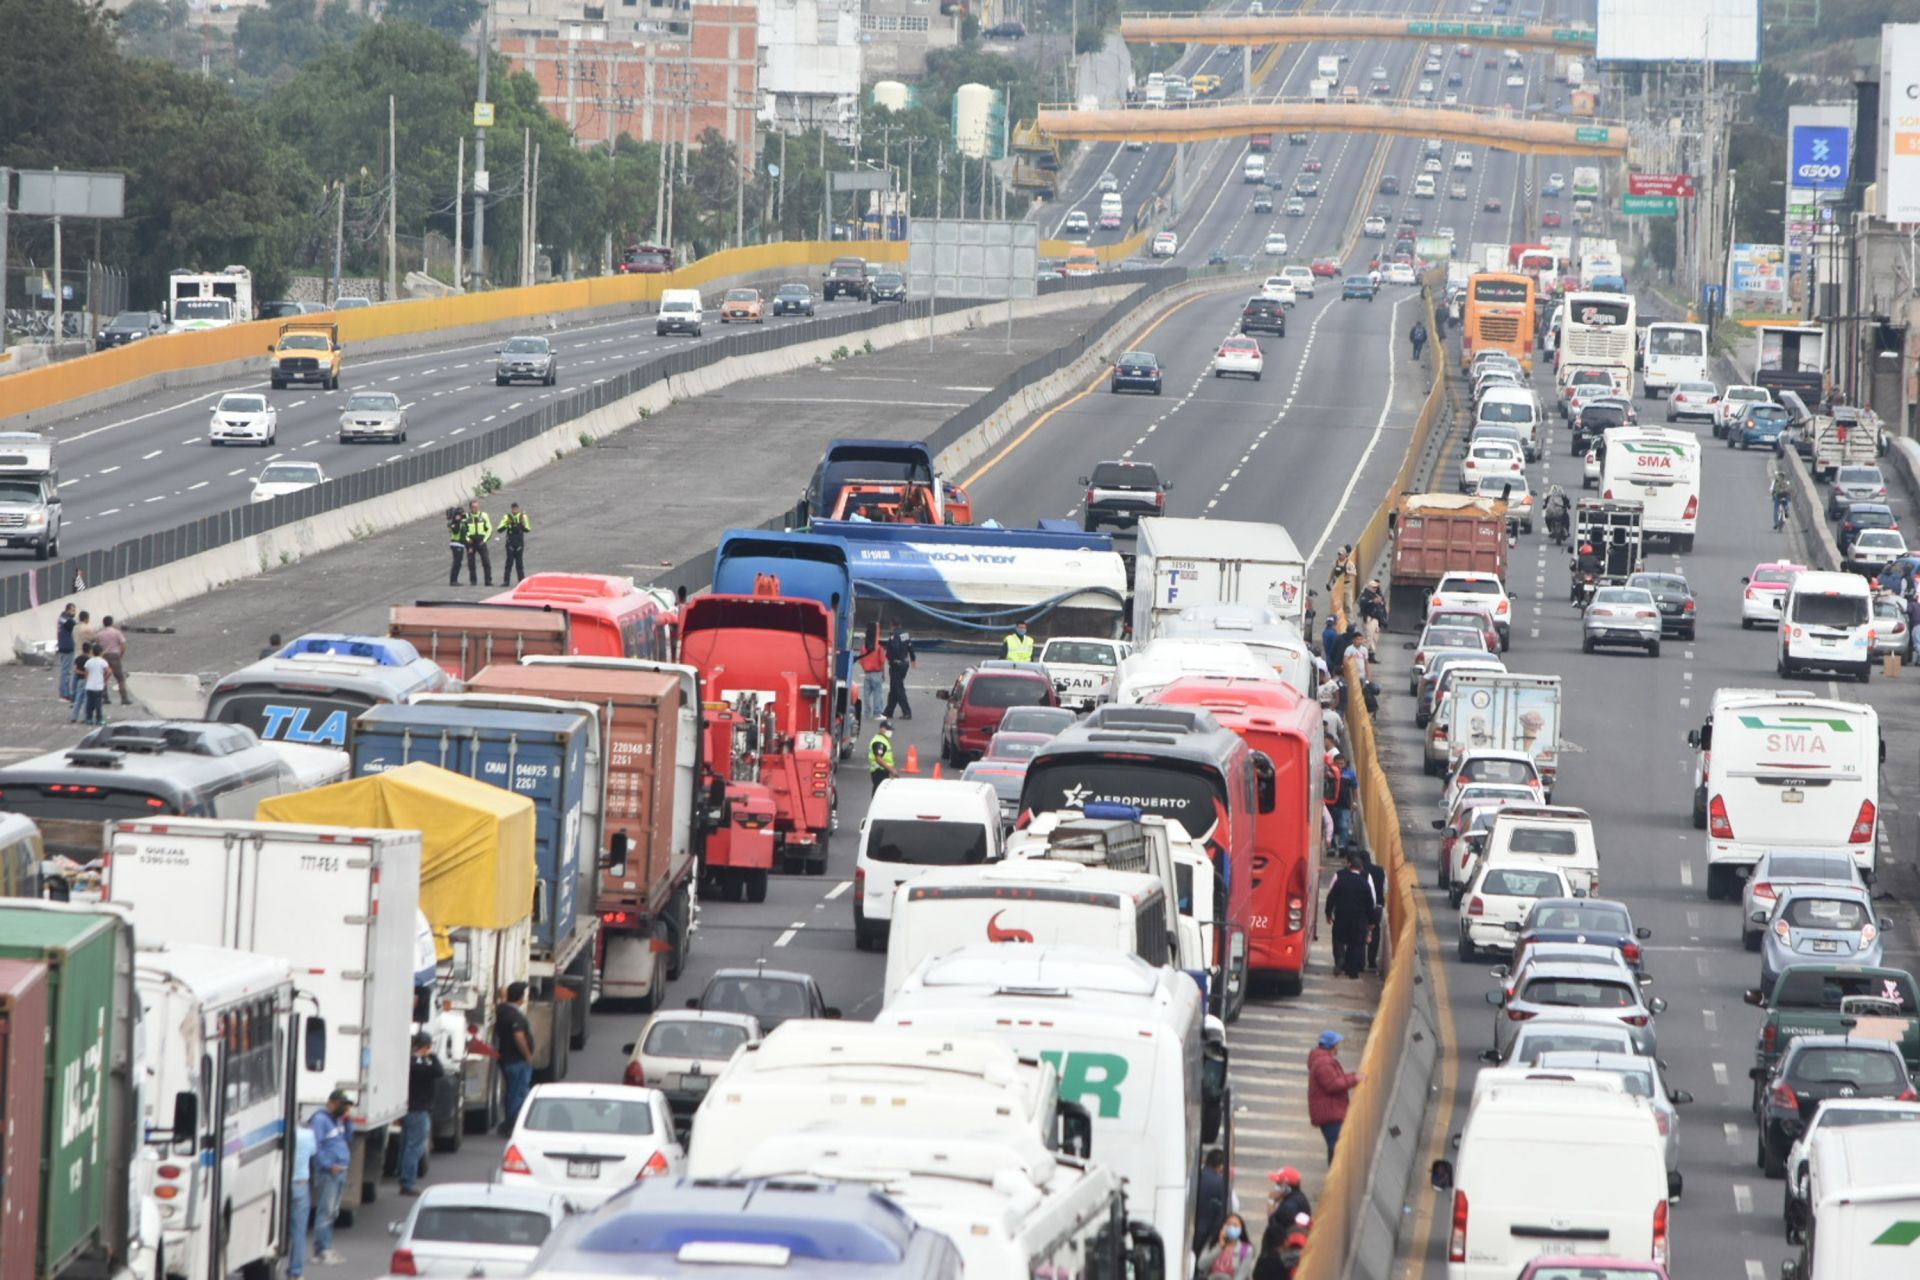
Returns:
<point x="1273" y="639"/>
<point x="1021" y="901"/>
<point x="681" y="311"/>
<point x="1082" y="668"/>
<point x="1556" y="834"/>
<point x="1565" y="1171"/>
<point x="914" y="825"/>
<point x="1658" y="467"/>
<point x="1512" y="407"/>
<point x="1111" y="205"/>
<point x="1826" y="624"/>
<point x="1863" y="1199"/>
<point x="1254" y="169"/>
<point x="1163" y="661"/>
<point x="1776" y="769"/>
<point x="1132" y="1045"/>
<point x="1423" y="187"/>
<point x="869" y="1079"/>
<point x="1179" y="563"/>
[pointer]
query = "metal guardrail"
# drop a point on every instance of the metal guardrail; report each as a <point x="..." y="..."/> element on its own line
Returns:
<point x="21" y="591"/>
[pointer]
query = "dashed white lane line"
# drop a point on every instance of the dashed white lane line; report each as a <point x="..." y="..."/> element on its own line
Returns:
<point x="158" y="497"/>
<point x="785" y="938"/>
<point x="1720" y="1074"/>
<point x="1732" y="1131"/>
<point x="107" y="471"/>
<point x="1742" y="1198"/>
<point x="203" y="484"/>
<point x="1756" y="1269"/>
<point x="1711" y="1021"/>
<point x="149" y="457"/>
<point x="1686" y="875"/>
<point x="839" y="889"/>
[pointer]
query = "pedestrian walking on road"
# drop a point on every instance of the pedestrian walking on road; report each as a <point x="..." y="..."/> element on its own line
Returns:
<point x="1350" y="905"/>
<point x="1418" y="337"/>
<point x="94" y="685"/>
<point x="424" y="1074"/>
<point x="1373" y="612"/>
<point x="1212" y="1200"/>
<point x="111" y="642"/>
<point x="880" y="753"/>
<point x="300" y="1201"/>
<point x="456" y="543"/>
<point x="479" y="531"/>
<point x="1337" y="793"/>
<point x="1018" y="644"/>
<point x="515" y="527"/>
<point x="1328" y="1084"/>
<point x="513" y="1041"/>
<point x="900" y="660"/>
<point x="63" y="649"/>
<point x="873" y="673"/>
<point x="1229" y="1256"/>
<point x="332" y="1138"/>
<point x="1377" y="878"/>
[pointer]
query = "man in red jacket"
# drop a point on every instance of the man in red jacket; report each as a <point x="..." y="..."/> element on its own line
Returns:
<point x="1328" y="1084"/>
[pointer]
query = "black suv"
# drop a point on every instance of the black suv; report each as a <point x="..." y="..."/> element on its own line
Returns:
<point x="888" y="286"/>
<point x="1264" y="315"/>
<point x="1813" y="1069"/>
<point x="130" y="326"/>
<point x="1119" y="493"/>
<point x="1389" y="185"/>
<point x="846" y="278"/>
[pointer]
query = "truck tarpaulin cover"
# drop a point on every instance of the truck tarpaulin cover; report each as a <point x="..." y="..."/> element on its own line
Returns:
<point x="476" y="851"/>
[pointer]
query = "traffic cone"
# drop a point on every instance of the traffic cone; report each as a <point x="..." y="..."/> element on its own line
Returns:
<point x="936" y="765"/>
<point x="913" y="760"/>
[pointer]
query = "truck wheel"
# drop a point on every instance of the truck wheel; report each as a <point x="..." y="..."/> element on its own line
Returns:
<point x="447" y="1141"/>
<point x="484" y="1119"/>
<point x="582" y="1003"/>
<point x="757" y="885"/>
<point x="816" y="865"/>
<point x="1699" y="808"/>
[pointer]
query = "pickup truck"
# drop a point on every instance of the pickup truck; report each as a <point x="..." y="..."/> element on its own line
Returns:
<point x="846" y="278"/>
<point x="1836" y="999"/>
<point x="306" y="351"/>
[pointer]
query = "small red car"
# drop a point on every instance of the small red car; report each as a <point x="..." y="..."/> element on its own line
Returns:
<point x="1551" y="219"/>
<point x="1491" y="204"/>
<point x="980" y="697"/>
<point x="1310" y="165"/>
<point x="1325" y="267"/>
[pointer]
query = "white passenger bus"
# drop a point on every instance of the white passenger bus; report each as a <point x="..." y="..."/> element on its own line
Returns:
<point x="1659" y="468"/>
<point x="1672" y="353"/>
<point x="1597" y="331"/>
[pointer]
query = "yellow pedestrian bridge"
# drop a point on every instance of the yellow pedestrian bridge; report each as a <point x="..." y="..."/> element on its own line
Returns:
<point x="1285" y="28"/>
<point x="1500" y="127"/>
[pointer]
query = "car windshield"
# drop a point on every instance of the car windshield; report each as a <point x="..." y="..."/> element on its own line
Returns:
<point x="372" y="401"/>
<point x="1519" y="882"/>
<point x="1829" y="609"/>
<point x="1471" y="586"/>
<point x="130" y="320"/>
<point x="1622" y="595"/>
<point x="1138" y="357"/>
<point x="1602" y="416"/>
<point x="480" y="1224"/>
<point x="1016" y="746"/>
<point x="1125" y="475"/>
<point x="1590" y="919"/>
<point x="1512" y="771"/>
<point x="304" y="342"/>
<point x="526" y="346"/>
<point x="793" y="291"/>
<point x="1845" y="1066"/>
<point x="1505" y="411"/>
<point x="1745" y="393"/>
<point x="243" y="404"/>
<point x="291" y="473"/>
<point x="1579" y="993"/>
<point x="1499" y="486"/>
<point x="611" y="1116"/>
<point x="1454" y="638"/>
<point x="743" y="295"/>
<point x="1659" y="582"/>
<point x="1773" y="577"/>
<point x="1534" y="1043"/>
<point x="1591" y="1271"/>
<point x="762" y="997"/>
<point x="1049" y="720"/>
<point x="1495" y="450"/>
<point x="1859" y="475"/>
<point x="1808" y="866"/>
<point x="1080" y="653"/>
<point x="1696" y="388"/>
<point x="1842" y="914"/>
<point x="926" y="843"/>
<point x="1854" y="1117"/>
<point x="1006" y="691"/>
<point x="1817" y="989"/>
<point x="682" y="1038"/>
<point x="1767" y="413"/>
<point x="1557" y="841"/>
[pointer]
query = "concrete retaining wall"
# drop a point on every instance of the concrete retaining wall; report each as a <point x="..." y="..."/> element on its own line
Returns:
<point x="1810" y="513"/>
<point x="1396" y="1173"/>
<point x="159" y="588"/>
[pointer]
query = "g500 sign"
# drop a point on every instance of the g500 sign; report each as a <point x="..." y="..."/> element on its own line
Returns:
<point x="1820" y="157"/>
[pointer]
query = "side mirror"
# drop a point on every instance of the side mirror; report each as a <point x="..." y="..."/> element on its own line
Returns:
<point x="1440" y="824"/>
<point x="1643" y="933"/>
<point x="1693" y="739"/>
<point x="1490" y="1056"/>
<point x="1778" y="604"/>
<point x="617" y="854"/>
<point x="1754" y="996"/>
<point x="945" y="695"/>
<point x="1265" y="785"/>
<point x="1496" y="998"/>
<point x="1759" y="917"/>
<point x="830" y="1013"/>
<point x="1145" y="1250"/>
<point x="1757" y="1073"/>
<point x="1085" y="480"/>
<point x="627" y="1048"/>
<point x="693" y="1002"/>
<point x="1076" y="1128"/>
<point x="1409" y="646"/>
<point x="186" y="1115"/>
<point x="395" y="1228"/>
<point x="314" y="1047"/>
<point x="1679" y="1097"/>
<point x="1656" y="1004"/>
<point x="1440" y="1175"/>
<point x="1167" y="487"/>
<point x="1499" y="973"/>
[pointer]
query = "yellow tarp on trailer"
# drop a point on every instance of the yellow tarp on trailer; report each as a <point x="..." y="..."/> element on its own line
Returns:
<point x="476" y="839"/>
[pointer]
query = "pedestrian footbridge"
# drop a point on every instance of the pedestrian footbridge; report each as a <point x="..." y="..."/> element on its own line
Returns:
<point x="1499" y="127"/>
<point x="1286" y="28"/>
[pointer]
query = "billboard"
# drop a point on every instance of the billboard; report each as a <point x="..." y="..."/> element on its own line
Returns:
<point x="1660" y="31"/>
<point x="1900" y="122"/>
<point x="968" y="258"/>
<point x="1759" y="277"/>
<point x="1818" y="157"/>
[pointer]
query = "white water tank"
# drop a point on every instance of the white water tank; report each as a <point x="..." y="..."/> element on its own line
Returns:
<point x="890" y="94"/>
<point x="972" y="113"/>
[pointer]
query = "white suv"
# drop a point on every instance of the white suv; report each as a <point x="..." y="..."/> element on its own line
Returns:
<point x="1482" y="589"/>
<point x="1302" y="280"/>
<point x="1503" y="890"/>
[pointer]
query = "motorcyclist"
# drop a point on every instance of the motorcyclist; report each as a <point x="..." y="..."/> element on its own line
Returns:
<point x="1556" y="508"/>
<point x="1586" y="566"/>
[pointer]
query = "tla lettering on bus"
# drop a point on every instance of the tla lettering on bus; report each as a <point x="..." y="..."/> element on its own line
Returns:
<point x="289" y="724"/>
<point x="1085" y="1076"/>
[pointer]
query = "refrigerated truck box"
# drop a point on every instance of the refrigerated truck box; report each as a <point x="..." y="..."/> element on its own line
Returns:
<point x="23" y="1092"/>
<point x="1179" y="563"/>
<point x="1506" y="711"/>
<point x="88" y="1117"/>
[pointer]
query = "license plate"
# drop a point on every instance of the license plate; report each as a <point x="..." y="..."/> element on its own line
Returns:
<point x="694" y="1084"/>
<point x="1826" y="643"/>
<point x="583" y="1168"/>
<point x="1793" y="797"/>
<point x="1825" y="946"/>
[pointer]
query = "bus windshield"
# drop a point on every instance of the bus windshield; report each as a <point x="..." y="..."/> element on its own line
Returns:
<point x="1663" y="341"/>
<point x="1183" y="792"/>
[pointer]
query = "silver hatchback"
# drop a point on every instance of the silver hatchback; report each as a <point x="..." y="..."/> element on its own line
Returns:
<point x="1577" y="992"/>
<point x="475" y="1230"/>
<point x="1779" y="868"/>
<point x="1622" y="615"/>
<point x="1819" y="924"/>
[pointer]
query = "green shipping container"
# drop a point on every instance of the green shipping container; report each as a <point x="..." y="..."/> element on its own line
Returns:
<point x="87" y="1122"/>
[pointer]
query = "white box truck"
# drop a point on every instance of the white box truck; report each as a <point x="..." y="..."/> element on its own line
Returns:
<point x="339" y="904"/>
<point x="1506" y="711"/>
<point x="1863" y="1206"/>
<point x="1181" y="562"/>
<point x="1319" y="90"/>
<point x="1328" y="67"/>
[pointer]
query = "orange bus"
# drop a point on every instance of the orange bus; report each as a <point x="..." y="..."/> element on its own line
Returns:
<point x="608" y="616"/>
<point x="1498" y="314"/>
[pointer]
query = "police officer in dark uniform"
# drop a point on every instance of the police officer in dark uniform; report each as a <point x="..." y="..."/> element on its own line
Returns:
<point x="1350" y="906"/>
<point x="900" y="659"/>
<point x="515" y="527"/>
<point x="456" y="542"/>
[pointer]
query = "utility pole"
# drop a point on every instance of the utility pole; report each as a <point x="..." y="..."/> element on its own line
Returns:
<point x="533" y="221"/>
<point x="459" y="210"/>
<point x="780" y="206"/>
<point x="939" y="185"/>
<point x="6" y="176"/>
<point x="480" y="182"/>
<point x="826" y="188"/>
<point x="393" y="204"/>
<point x="59" y="285"/>
<point x="911" y="144"/>
<point x="526" y="190"/>
<point x="742" y="157"/>
<point x="339" y="234"/>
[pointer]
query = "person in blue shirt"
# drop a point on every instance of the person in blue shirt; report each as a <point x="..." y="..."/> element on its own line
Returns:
<point x="301" y="1204"/>
<point x="332" y="1134"/>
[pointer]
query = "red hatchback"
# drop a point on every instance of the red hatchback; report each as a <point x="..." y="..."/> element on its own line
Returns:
<point x="1326" y="268"/>
<point x="980" y="697"/>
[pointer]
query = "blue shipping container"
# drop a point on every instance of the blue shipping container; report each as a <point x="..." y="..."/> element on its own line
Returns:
<point x="546" y="755"/>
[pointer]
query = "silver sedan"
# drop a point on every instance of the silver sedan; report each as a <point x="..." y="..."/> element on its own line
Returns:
<point x="373" y="415"/>
<point x="1622" y="615"/>
<point x="1819" y="924"/>
<point x="1642" y="1079"/>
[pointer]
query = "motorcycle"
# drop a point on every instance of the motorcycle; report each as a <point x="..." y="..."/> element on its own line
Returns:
<point x="1583" y="588"/>
<point x="1558" y="525"/>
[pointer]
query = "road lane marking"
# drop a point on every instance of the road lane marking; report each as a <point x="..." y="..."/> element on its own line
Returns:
<point x="784" y="938"/>
<point x="1711" y="1020"/>
<point x="1686" y="875"/>
<point x="1732" y="1131"/>
<point x="1720" y="1073"/>
<point x="149" y="457"/>
<point x="1742" y="1198"/>
<point x="107" y="471"/>
<point x="1756" y="1269"/>
<point x="1373" y="441"/>
<point x="203" y="484"/>
<point x="839" y="889"/>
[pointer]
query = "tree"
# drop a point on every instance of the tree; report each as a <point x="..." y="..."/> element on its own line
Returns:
<point x="453" y="17"/>
<point x="272" y="43"/>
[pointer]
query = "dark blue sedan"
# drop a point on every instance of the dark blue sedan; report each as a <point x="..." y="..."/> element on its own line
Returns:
<point x="1136" y="371"/>
<point x="1358" y="287"/>
<point x="1596" y="922"/>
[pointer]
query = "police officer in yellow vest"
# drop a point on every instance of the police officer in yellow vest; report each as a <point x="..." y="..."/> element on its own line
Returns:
<point x="479" y="530"/>
<point x="1019" y="644"/>
<point x="880" y="752"/>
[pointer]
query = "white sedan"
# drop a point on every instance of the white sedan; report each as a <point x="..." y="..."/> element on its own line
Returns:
<point x="1871" y="549"/>
<point x="1516" y="81"/>
<point x="1401" y="273"/>
<point x="243" y="417"/>
<point x="1734" y="401"/>
<point x="1276" y="246"/>
<point x="588" y="1141"/>
<point x="280" y="478"/>
<point x="1302" y="279"/>
<point x="1280" y="289"/>
<point x="1241" y="356"/>
<point x="1078" y="224"/>
<point x="1490" y="458"/>
<point x="1590" y="469"/>
<point x="1166" y="244"/>
<point x="1693" y="400"/>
